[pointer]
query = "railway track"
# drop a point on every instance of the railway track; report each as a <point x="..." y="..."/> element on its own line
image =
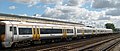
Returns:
<point x="106" y="45"/>
<point x="111" y="45"/>
<point x="67" y="46"/>
<point x="80" y="46"/>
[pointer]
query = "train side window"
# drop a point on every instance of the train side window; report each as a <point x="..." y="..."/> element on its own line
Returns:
<point x="90" y="31"/>
<point x="24" y="31"/>
<point x="15" y="30"/>
<point x="79" y="30"/>
<point x="50" y="31"/>
<point x="69" y="30"/>
<point x="98" y="30"/>
<point x="94" y="31"/>
<point x="85" y="31"/>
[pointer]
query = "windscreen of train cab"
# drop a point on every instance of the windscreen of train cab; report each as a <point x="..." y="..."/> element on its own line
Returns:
<point x="2" y="31"/>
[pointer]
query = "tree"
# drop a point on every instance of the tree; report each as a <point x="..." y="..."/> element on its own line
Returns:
<point x="110" y="26"/>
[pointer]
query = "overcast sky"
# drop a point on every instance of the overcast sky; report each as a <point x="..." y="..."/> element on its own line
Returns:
<point x="90" y="12"/>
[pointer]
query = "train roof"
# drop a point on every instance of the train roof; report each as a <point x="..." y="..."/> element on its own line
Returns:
<point x="37" y="18"/>
<point x="30" y="24"/>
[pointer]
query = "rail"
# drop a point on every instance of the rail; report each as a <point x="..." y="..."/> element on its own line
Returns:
<point x="79" y="46"/>
<point x="111" y="46"/>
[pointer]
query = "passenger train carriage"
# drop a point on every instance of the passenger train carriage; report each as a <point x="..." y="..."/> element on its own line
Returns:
<point x="13" y="32"/>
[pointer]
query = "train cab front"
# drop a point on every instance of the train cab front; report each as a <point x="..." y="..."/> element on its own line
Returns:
<point x="2" y="34"/>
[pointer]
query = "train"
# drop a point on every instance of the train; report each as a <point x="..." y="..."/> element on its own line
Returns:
<point x="15" y="32"/>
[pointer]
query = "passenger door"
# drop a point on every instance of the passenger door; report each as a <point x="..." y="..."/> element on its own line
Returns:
<point x="36" y="33"/>
<point x="64" y="33"/>
<point x="14" y="32"/>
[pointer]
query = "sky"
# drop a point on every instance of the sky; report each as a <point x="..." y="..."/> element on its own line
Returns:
<point x="89" y="12"/>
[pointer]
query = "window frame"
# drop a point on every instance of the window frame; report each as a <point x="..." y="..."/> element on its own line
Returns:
<point x="21" y="32"/>
<point x="79" y="30"/>
<point x="50" y="31"/>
